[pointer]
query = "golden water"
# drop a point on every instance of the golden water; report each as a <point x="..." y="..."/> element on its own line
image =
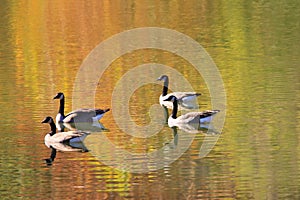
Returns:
<point x="255" y="45"/>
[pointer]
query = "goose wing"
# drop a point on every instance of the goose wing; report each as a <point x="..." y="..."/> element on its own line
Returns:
<point x="185" y="96"/>
<point x="90" y="111"/>
<point x="191" y="117"/>
<point x="195" y="117"/>
<point x="208" y="113"/>
<point x="83" y="115"/>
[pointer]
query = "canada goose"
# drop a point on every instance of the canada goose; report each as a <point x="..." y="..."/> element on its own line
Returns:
<point x="80" y="115"/>
<point x="186" y="100"/>
<point x="62" y="137"/>
<point x="191" y="117"/>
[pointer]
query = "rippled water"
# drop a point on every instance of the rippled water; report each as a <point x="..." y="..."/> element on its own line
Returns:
<point x="255" y="46"/>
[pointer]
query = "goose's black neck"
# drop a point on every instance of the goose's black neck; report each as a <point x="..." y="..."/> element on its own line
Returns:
<point x="175" y="109"/>
<point x="62" y="107"/>
<point x="53" y="128"/>
<point x="166" y="85"/>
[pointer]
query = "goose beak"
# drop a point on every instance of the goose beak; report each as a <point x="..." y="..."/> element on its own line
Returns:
<point x="44" y="121"/>
<point x="159" y="78"/>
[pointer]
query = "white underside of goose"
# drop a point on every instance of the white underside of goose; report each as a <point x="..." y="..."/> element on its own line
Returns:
<point x="65" y="147"/>
<point x="70" y="136"/>
<point x="190" y="118"/>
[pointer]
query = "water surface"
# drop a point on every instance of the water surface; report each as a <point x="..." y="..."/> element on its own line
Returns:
<point x="254" y="45"/>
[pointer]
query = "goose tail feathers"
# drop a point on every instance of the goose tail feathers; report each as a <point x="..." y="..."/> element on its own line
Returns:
<point x="100" y="111"/>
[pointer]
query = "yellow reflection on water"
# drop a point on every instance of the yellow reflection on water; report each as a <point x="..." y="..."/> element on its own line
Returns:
<point x="254" y="44"/>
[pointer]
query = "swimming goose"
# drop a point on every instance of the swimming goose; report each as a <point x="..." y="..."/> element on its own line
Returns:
<point x="62" y="137"/>
<point x="188" y="118"/>
<point x="80" y="115"/>
<point x="185" y="99"/>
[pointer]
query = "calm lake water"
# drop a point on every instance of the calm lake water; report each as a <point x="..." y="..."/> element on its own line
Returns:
<point x="254" y="44"/>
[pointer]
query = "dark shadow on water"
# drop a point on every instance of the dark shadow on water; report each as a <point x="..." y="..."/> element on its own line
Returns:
<point x="52" y="156"/>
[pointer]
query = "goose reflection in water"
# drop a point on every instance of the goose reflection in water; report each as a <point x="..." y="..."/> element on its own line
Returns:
<point x="206" y="129"/>
<point x="173" y="144"/>
<point x="63" y="141"/>
<point x="191" y="129"/>
<point x="90" y="127"/>
<point x="50" y="160"/>
<point x="64" y="147"/>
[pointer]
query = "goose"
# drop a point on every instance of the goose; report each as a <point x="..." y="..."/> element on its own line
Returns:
<point x="79" y="115"/>
<point x="186" y="100"/>
<point x="54" y="139"/>
<point x="188" y="118"/>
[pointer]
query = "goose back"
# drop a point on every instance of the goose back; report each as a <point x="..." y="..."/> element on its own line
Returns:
<point x="79" y="115"/>
<point x="85" y="115"/>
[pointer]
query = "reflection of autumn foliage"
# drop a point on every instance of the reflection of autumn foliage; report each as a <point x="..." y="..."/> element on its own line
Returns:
<point x="255" y="44"/>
